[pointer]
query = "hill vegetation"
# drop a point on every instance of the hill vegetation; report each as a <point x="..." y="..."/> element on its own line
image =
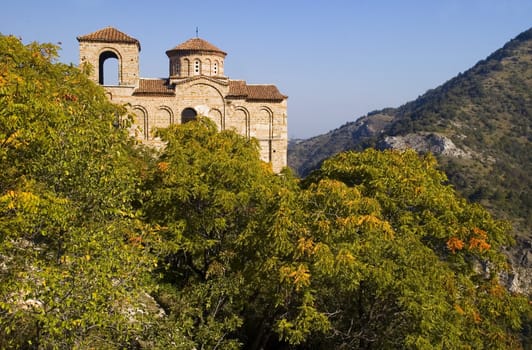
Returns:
<point x="105" y="244"/>
<point x="478" y="125"/>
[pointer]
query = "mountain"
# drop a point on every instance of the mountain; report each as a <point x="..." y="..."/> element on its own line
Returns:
<point x="478" y="124"/>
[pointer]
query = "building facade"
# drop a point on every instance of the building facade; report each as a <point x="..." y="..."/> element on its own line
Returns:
<point x="196" y="85"/>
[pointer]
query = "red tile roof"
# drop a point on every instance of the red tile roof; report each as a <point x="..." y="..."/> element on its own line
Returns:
<point x="154" y="87"/>
<point x="239" y="89"/>
<point x="264" y="92"/>
<point x="197" y="45"/>
<point x="109" y="34"/>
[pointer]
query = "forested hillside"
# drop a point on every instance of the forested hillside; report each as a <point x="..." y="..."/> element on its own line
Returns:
<point x="105" y="244"/>
<point x="478" y="124"/>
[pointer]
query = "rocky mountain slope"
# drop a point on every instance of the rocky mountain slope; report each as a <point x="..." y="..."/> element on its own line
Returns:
<point x="479" y="126"/>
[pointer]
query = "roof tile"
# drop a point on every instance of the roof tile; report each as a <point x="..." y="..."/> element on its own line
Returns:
<point x="197" y="44"/>
<point x="239" y="89"/>
<point x="109" y="34"/>
<point x="154" y="87"/>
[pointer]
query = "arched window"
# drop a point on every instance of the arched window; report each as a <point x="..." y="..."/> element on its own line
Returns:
<point x="197" y="67"/>
<point x="186" y="67"/>
<point x="215" y="68"/>
<point x="109" y="62"/>
<point x="206" y="67"/>
<point x="175" y="67"/>
<point x="188" y="115"/>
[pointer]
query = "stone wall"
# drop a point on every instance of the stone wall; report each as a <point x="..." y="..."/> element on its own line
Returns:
<point x="127" y="55"/>
<point x="206" y="92"/>
<point x="265" y="121"/>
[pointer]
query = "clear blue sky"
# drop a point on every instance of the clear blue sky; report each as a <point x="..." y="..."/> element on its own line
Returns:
<point x="335" y="59"/>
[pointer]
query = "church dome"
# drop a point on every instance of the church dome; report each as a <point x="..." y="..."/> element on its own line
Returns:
<point x="196" y="46"/>
<point x="196" y="57"/>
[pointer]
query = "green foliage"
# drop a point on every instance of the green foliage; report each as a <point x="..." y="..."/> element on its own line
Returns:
<point x="202" y="194"/>
<point x="70" y="276"/>
<point x="427" y="263"/>
<point x="104" y="244"/>
<point x="212" y="199"/>
<point x="486" y="110"/>
<point x="371" y="251"/>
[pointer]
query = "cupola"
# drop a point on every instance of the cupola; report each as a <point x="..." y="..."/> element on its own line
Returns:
<point x="196" y="57"/>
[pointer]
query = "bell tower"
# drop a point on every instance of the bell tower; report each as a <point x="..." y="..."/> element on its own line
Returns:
<point x="95" y="48"/>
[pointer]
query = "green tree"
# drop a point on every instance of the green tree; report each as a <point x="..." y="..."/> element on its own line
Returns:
<point x="374" y="250"/>
<point x="72" y="266"/>
<point x="207" y="195"/>
<point x="417" y="266"/>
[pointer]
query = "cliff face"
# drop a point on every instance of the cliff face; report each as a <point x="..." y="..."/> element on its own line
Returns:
<point x="426" y="142"/>
<point x="478" y="124"/>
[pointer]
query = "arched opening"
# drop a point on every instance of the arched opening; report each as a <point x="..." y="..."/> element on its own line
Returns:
<point x="161" y="119"/>
<point x="239" y="121"/>
<point x="176" y="67"/>
<point x="216" y="115"/>
<point x="187" y="115"/>
<point x="186" y="67"/>
<point x="197" y="67"/>
<point x="139" y="127"/>
<point x="109" y="62"/>
<point x="207" y="69"/>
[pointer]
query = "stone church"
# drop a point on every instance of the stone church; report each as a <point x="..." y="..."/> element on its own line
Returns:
<point x="196" y="85"/>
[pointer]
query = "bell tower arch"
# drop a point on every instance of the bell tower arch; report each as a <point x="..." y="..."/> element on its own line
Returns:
<point x="110" y="43"/>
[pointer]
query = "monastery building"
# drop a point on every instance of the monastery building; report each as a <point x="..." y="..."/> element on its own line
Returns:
<point x="196" y="85"/>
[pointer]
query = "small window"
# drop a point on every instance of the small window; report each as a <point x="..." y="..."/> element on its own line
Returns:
<point x="215" y="68"/>
<point x="197" y="67"/>
<point x="187" y="115"/>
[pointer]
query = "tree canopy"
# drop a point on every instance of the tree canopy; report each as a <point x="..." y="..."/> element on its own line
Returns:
<point x="106" y="244"/>
<point x="70" y="276"/>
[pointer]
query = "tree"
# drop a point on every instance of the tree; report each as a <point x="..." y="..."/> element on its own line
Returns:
<point x="207" y="195"/>
<point x="419" y="266"/>
<point x="72" y="269"/>
<point x="374" y="250"/>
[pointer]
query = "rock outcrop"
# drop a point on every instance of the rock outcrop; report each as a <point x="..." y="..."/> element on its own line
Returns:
<point x="426" y="142"/>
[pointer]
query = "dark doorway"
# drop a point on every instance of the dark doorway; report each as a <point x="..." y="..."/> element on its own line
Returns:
<point x="187" y="115"/>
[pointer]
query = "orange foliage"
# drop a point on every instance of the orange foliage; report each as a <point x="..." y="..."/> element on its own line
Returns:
<point x="479" y="241"/>
<point x="70" y="97"/>
<point x="135" y="241"/>
<point x="497" y="290"/>
<point x="163" y="166"/>
<point x="300" y="276"/>
<point x="454" y="244"/>
<point x="480" y="232"/>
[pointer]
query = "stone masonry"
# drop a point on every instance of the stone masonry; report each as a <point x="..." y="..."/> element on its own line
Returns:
<point x="196" y="85"/>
